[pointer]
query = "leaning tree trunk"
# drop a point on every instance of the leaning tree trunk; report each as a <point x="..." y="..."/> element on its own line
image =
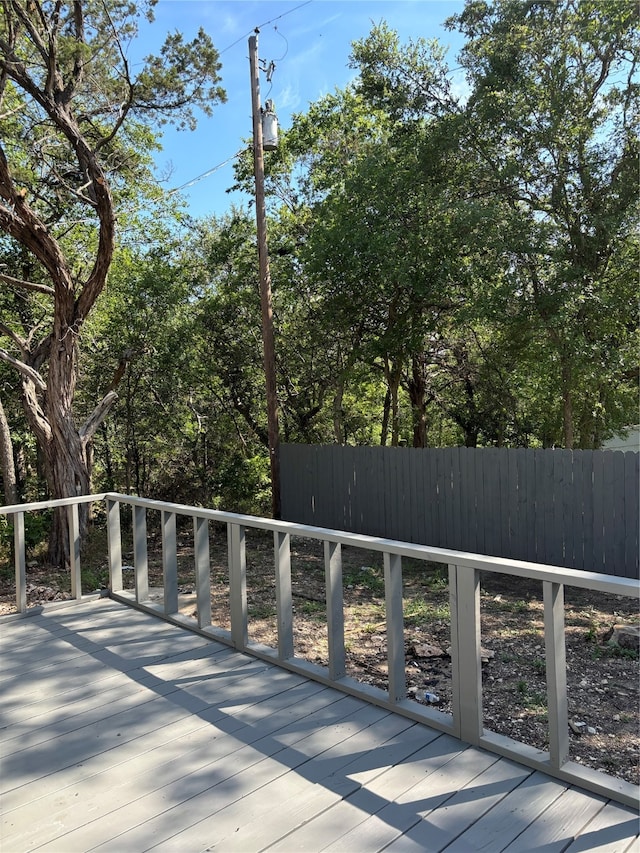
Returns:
<point x="67" y="476"/>
<point x="49" y="404"/>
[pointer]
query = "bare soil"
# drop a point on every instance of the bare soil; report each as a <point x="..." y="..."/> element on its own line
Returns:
<point x="602" y="679"/>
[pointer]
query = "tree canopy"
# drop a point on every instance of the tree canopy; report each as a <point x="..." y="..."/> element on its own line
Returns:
<point x="454" y="250"/>
<point x="76" y="126"/>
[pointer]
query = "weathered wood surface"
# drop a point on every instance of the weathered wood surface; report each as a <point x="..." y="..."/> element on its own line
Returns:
<point x="123" y="733"/>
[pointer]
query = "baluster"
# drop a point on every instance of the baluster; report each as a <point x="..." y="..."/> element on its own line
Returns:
<point x="556" y="666"/>
<point x="114" y="545"/>
<point x="466" y="667"/>
<point x="140" y="558"/>
<point x="237" y="584"/>
<point x="395" y="626"/>
<point x="169" y="562"/>
<point x="335" y="609"/>
<point x="20" y="561"/>
<point x="74" y="550"/>
<point x="202" y="560"/>
<point x="284" y="601"/>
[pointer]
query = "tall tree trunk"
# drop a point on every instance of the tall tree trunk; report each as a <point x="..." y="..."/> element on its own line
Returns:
<point x="108" y="462"/>
<point x="417" y="394"/>
<point x="393" y="375"/>
<point x="470" y="435"/>
<point x="6" y="458"/>
<point x="338" y="413"/>
<point x="386" y="413"/>
<point x="567" y="404"/>
<point x="64" y="446"/>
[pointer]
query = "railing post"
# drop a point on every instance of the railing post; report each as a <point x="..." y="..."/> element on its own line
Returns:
<point x="114" y="545"/>
<point x="556" y="665"/>
<point x="169" y="562"/>
<point x="20" y="561"/>
<point x="74" y="550"/>
<point x="284" y="601"/>
<point x="140" y="558"/>
<point x="237" y="584"/>
<point x="395" y="626"/>
<point x="466" y="666"/>
<point x="202" y="559"/>
<point x="335" y="609"/>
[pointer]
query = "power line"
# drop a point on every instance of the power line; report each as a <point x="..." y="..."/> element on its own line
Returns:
<point x="264" y="24"/>
<point x="237" y="41"/>
<point x="207" y="173"/>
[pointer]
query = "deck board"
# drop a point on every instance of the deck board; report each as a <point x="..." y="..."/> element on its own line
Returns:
<point x="122" y="733"/>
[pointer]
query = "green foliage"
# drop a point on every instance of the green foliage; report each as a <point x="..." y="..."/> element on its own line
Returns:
<point x="316" y="609"/>
<point x="447" y="268"/>
<point x="94" y="579"/>
<point x="540" y="666"/>
<point x="367" y="577"/>
<point x="614" y="651"/>
<point x="36" y="530"/>
<point x="419" y="609"/>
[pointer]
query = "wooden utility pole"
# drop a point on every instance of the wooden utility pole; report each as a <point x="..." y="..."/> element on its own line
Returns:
<point x="265" y="282"/>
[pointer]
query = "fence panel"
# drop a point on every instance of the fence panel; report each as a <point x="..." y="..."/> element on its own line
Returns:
<point x="577" y="509"/>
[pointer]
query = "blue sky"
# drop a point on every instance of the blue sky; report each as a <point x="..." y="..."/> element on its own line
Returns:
<point x="310" y="44"/>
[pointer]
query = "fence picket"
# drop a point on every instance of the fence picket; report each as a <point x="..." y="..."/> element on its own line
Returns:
<point x="588" y="561"/>
<point x="598" y="514"/>
<point x="632" y="511"/>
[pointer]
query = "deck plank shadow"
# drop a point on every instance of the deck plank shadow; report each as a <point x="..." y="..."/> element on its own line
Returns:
<point x="120" y="732"/>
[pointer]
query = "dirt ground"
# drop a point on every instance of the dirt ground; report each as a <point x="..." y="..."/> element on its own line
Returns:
<point x="602" y="679"/>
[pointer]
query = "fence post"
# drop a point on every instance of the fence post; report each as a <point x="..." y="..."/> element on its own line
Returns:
<point x="395" y="626"/>
<point x="284" y="602"/>
<point x="169" y="562"/>
<point x="140" y="558"/>
<point x="335" y="609"/>
<point x="237" y="584"/>
<point x="203" y="570"/>
<point x="466" y="666"/>
<point x="20" y="561"/>
<point x="114" y="545"/>
<point x="74" y="550"/>
<point x="556" y="666"/>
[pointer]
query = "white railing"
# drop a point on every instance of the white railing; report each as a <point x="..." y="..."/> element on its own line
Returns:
<point x="466" y="718"/>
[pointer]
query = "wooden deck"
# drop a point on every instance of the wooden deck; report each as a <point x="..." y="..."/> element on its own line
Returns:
<point x="121" y="732"/>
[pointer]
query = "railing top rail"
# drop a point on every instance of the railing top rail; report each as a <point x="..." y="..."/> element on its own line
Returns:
<point x="40" y="505"/>
<point x="502" y="565"/>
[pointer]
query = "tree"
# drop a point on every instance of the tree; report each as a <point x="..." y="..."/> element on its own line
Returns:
<point x="549" y="135"/>
<point x="553" y="120"/>
<point x="76" y="126"/>
<point x="6" y="460"/>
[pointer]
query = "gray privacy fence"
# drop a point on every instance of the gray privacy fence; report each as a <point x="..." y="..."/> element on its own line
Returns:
<point x="573" y="508"/>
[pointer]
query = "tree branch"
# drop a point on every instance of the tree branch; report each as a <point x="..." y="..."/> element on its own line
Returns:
<point x="27" y="285"/>
<point x="18" y="220"/>
<point x="87" y="431"/>
<point x="9" y="333"/>
<point x="25" y="370"/>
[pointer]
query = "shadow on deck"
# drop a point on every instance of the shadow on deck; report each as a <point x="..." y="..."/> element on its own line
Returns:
<point x="123" y="732"/>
